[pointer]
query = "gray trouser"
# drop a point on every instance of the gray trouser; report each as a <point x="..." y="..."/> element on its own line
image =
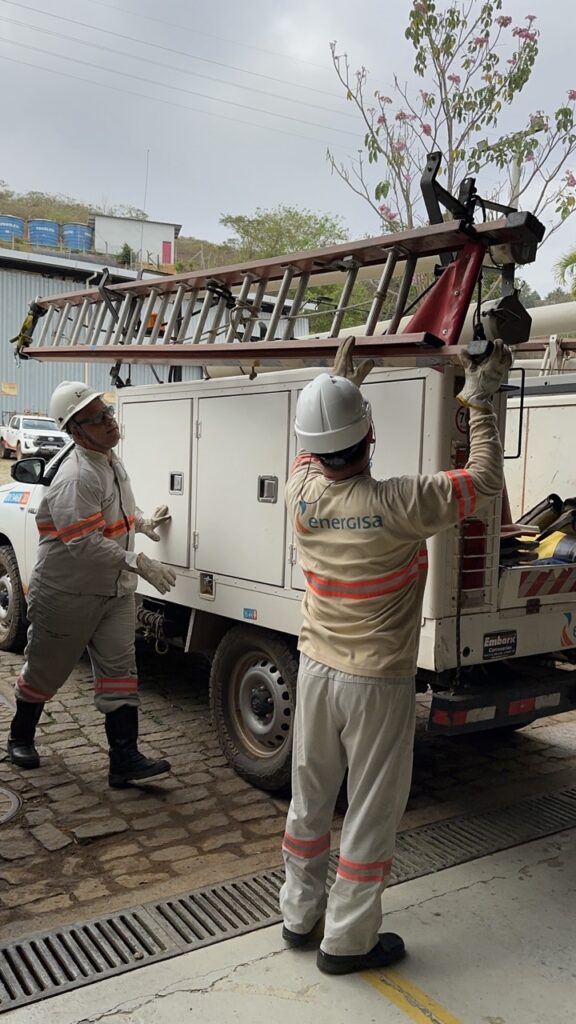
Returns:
<point x="61" y="627"/>
<point x="366" y="725"/>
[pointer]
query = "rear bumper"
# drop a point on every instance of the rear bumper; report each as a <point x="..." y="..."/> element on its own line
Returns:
<point x="511" y="699"/>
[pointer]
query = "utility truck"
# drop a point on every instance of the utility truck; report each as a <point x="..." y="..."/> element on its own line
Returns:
<point x="495" y="642"/>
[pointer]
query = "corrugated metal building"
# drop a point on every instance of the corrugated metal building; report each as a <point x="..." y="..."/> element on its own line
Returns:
<point x="27" y="386"/>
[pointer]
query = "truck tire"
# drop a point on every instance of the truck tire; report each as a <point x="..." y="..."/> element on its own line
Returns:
<point x="252" y="699"/>
<point x="5" y="451"/>
<point x="18" y="451"/>
<point x="13" y="622"/>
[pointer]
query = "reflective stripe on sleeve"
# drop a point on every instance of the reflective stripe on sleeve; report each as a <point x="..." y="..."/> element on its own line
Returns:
<point x="464" y="490"/>
<point x="121" y="526"/>
<point x="74" y="530"/>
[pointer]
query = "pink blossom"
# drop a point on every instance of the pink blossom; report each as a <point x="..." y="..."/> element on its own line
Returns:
<point x="503" y="21"/>
<point x="529" y="157"/>
<point x="570" y="179"/>
<point x="481" y="40"/>
<point x="425" y="96"/>
<point x="427" y="129"/>
<point x="399" y="147"/>
<point x="572" y="94"/>
<point x="454" y="78"/>
<point x="402" y="116"/>
<point x="530" y="18"/>
<point x="387" y="213"/>
<point x="384" y="99"/>
<point x="381" y="119"/>
<point x="525" y="34"/>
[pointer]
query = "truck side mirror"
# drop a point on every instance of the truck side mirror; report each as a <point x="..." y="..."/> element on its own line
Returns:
<point x="28" y="471"/>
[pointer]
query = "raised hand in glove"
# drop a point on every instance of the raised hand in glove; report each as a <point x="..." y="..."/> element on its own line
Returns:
<point x="344" y="363"/>
<point x="155" y="573"/>
<point x="482" y="380"/>
<point x="147" y="525"/>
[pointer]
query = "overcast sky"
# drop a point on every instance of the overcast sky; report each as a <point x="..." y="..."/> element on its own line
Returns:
<point x="235" y="102"/>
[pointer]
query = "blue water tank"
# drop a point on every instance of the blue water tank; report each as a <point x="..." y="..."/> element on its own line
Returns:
<point x="11" y="227"/>
<point x="43" y="232"/>
<point x="77" y="237"/>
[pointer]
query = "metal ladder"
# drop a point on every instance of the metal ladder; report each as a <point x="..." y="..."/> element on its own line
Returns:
<point x="203" y="317"/>
<point x="207" y="317"/>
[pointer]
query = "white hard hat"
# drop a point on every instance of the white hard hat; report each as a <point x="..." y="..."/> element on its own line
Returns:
<point x="68" y="398"/>
<point x="331" y="415"/>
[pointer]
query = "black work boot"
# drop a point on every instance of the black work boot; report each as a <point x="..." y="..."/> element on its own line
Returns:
<point x="21" y="747"/>
<point x="388" y="950"/>
<point x="127" y="764"/>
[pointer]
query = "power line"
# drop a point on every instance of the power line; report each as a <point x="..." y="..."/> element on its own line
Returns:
<point x="169" y="103"/>
<point x="162" y="64"/>
<point x="209" y="35"/>
<point x="167" y="49"/>
<point x="175" y="88"/>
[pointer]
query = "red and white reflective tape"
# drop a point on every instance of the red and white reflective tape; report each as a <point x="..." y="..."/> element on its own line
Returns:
<point x="443" y="717"/>
<point x="547" y="581"/>
<point x="527" y="704"/>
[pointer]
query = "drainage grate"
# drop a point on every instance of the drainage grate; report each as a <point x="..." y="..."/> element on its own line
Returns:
<point x="52" y="962"/>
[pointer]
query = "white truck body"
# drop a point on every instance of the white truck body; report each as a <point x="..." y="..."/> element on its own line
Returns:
<point x="546" y="463"/>
<point x="218" y="454"/>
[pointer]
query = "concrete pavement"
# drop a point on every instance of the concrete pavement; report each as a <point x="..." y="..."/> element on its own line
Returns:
<point x="490" y="942"/>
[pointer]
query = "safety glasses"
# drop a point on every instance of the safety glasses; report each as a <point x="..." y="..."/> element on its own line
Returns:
<point x="108" y="413"/>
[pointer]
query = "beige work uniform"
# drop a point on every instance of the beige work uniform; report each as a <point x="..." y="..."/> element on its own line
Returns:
<point x="82" y="587"/>
<point x="362" y="549"/>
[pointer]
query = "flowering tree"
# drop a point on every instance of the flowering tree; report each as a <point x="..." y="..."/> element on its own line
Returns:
<point x="473" y="62"/>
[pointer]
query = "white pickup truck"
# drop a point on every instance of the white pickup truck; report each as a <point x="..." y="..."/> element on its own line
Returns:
<point x="26" y="435"/>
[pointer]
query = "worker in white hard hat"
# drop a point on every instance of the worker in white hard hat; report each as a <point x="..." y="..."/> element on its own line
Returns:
<point x="81" y="592"/>
<point x="362" y="547"/>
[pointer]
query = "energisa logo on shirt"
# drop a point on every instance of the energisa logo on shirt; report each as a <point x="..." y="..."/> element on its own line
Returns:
<point x="335" y="522"/>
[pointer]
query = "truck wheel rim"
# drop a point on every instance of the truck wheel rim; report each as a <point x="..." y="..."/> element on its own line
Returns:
<point x="262" y="705"/>
<point x="6" y="600"/>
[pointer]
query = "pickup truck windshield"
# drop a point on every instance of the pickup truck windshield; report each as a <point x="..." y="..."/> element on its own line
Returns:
<point x="29" y="424"/>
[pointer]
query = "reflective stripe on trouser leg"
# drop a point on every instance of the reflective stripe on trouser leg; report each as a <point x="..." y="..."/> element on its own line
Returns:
<point x="378" y="737"/>
<point x="111" y="651"/>
<point x="318" y="767"/>
<point x="60" y="627"/>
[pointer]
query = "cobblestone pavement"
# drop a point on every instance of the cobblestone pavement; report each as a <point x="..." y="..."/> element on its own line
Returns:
<point x="76" y="849"/>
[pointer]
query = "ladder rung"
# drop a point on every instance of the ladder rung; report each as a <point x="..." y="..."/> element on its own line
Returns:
<point x="187" y="316"/>
<point x="279" y="304"/>
<point x="344" y="298"/>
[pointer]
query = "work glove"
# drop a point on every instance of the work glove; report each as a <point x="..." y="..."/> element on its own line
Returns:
<point x="159" y="575"/>
<point x="482" y="380"/>
<point x="344" y="363"/>
<point x="147" y="525"/>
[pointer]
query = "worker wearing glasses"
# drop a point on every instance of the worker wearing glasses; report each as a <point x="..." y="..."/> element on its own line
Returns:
<point x="81" y="593"/>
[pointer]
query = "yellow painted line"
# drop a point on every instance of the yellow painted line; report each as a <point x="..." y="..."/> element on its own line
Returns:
<point x="418" y="1006"/>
